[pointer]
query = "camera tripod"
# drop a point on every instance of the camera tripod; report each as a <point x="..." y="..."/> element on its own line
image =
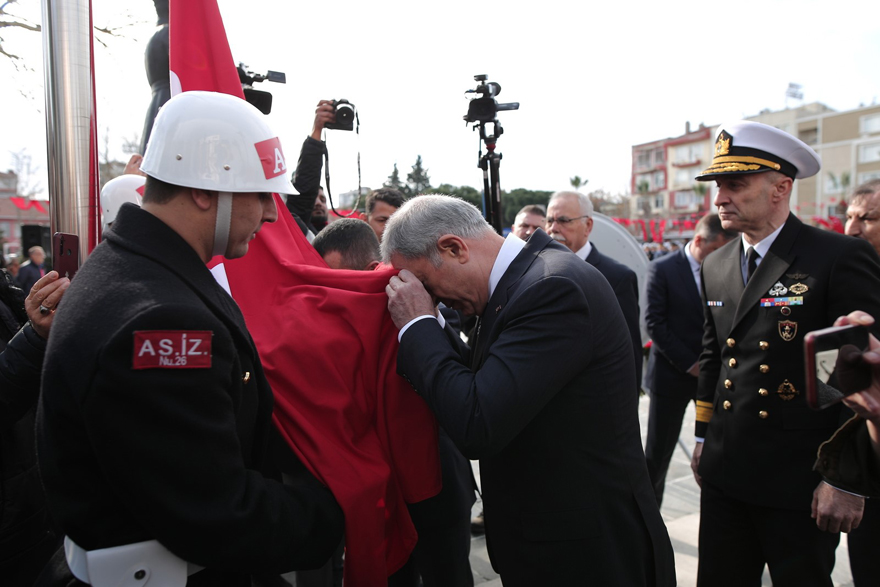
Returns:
<point x="490" y="163"/>
<point x="482" y="110"/>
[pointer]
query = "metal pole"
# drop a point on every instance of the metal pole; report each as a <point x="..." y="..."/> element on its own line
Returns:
<point x="71" y="129"/>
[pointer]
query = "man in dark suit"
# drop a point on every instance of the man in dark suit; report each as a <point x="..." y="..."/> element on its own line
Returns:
<point x="570" y="221"/>
<point x="539" y="400"/>
<point x="763" y="292"/>
<point x="33" y="270"/>
<point x="675" y="322"/>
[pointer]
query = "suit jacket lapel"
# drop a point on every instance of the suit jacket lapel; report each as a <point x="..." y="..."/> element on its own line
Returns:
<point x="729" y="264"/>
<point x="778" y="259"/>
<point x="498" y="301"/>
<point x="595" y="257"/>
<point x="686" y="274"/>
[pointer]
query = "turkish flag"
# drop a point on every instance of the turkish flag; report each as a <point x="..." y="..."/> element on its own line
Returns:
<point x="198" y="52"/>
<point x="329" y="347"/>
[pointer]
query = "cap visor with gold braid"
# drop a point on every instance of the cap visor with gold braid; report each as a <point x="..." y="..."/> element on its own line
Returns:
<point x="751" y="147"/>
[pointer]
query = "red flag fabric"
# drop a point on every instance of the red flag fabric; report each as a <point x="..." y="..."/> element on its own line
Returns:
<point x="329" y="349"/>
<point x="198" y="52"/>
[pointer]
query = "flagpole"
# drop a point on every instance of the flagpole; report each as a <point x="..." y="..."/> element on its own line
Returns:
<point x="71" y="129"/>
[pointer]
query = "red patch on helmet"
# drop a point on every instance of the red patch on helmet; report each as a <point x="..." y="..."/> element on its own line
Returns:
<point x="272" y="157"/>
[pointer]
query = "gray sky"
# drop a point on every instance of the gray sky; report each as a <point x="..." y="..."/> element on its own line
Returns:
<point x="592" y="80"/>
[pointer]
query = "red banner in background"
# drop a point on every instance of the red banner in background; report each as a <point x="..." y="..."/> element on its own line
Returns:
<point x="329" y="350"/>
<point x="836" y="224"/>
<point x="25" y="204"/>
<point x="644" y="230"/>
<point x="832" y="223"/>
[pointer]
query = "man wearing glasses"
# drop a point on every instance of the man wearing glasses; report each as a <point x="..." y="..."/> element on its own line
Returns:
<point x="570" y="221"/>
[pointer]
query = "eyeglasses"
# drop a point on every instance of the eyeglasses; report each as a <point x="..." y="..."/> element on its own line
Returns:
<point x="564" y="219"/>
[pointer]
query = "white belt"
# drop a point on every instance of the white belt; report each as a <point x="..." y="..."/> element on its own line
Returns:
<point x="129" y="565"/>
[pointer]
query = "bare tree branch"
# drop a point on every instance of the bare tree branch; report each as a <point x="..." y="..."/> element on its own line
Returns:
<point x="24" y="25"/>
<point x="12" y="23"/>
<point x="8" y="20"/>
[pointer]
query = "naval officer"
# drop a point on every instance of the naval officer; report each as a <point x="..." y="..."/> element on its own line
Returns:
<point x="762" y="293"/>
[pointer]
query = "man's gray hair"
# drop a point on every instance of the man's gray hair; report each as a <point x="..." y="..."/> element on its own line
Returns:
<point x="413" y="231"/>
<point x="584" y="201"/>
<point x="869" y="188"/>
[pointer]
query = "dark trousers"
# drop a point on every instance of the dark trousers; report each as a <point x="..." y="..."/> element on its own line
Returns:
<point x="665" y="414"/>
<point x="738" y="538"/>
<point x="864" y="547"/>
<point x="440" y="558"/>
<point x="329" y="575"/>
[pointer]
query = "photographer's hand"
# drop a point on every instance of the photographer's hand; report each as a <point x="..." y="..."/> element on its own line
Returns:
<point x="323" y="114"/>
<point x="133" y="167"/>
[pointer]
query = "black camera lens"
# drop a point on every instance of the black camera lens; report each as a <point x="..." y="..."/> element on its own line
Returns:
<point x="344" y="114"/>
<point x="344" y="111"/>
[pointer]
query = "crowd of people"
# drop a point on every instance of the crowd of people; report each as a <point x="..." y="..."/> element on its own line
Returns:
<point x="138" y="441"/>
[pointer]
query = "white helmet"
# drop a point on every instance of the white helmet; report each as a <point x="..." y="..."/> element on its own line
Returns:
<point x="118" y="191"/>
<point x="216" y="142"/>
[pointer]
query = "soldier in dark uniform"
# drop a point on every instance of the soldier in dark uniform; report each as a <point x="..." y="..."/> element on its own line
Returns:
<point x="763" y="292"/>
<point x="155" y="414"/>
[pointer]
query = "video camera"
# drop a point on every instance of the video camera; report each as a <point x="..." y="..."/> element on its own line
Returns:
<point x="262" y="100"/>
<point x="485" y="107"/>
<point x="344" y="115"/>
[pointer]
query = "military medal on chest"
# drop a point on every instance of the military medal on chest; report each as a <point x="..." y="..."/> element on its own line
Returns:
<point x="787" y="330"/>
<point x="787" y="391"/>
<point x="778" y="290"/>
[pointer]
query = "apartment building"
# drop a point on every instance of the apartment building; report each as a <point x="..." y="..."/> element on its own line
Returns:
<point x="663" y="188"/>
<point x="16" y="211"/>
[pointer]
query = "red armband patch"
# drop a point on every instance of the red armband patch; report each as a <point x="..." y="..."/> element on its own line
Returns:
<point x="172" y="349"/>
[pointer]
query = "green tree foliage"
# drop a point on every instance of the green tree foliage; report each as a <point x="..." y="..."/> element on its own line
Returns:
<point x="514" y="200"/>
<point x="465" y="192"/>
<point x="577" y="183"/>
<point x="417" y="180"/>
<point x="393" y="180"/>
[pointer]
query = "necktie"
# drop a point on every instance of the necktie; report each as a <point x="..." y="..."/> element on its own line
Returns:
<point x="753" y="257"/>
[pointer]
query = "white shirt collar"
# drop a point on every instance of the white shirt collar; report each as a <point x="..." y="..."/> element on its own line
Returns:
<point x="695" y="265"/>
<point x="509" y="250"/>
<point x="584" y="251"/>
<point x="763" y="246"/>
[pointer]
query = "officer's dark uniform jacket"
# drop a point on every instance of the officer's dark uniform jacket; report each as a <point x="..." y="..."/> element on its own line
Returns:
<point x="173" y="454"/>
<point x="762" y="439"/>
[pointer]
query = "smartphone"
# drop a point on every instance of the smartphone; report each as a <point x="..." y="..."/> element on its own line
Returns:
<point x="65" y="254"/>
<point x="834" y="365"/>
